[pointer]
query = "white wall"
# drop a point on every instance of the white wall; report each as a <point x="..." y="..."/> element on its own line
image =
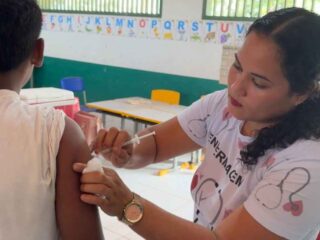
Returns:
<point x="195" y="59"/>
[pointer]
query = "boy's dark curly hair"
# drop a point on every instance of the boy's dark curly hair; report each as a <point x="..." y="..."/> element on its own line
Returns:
<point x="20" y="25"/>
<point x="296" y="32"/>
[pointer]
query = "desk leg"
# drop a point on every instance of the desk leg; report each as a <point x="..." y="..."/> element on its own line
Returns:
<point x="175" y="163"/>
<point x="196" y="156"/>
<point x="122" y="123"/>
<point x="104" y="117"/>
<point x="135" y="127"/>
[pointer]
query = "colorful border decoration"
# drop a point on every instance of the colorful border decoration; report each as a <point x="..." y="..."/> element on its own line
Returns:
<point x="219" y="32"/>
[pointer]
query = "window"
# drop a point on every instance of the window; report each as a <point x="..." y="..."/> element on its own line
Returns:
<point x="113" y="7"/>
<point x="251" y="9"/>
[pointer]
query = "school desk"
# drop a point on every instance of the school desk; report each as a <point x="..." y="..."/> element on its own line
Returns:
<point x="138" y="109"/>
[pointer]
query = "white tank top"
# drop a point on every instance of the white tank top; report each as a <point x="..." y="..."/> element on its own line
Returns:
<point x="29" y="143"/>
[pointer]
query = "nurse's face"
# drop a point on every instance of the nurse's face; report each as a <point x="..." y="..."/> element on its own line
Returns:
<point x="258" y="90"/>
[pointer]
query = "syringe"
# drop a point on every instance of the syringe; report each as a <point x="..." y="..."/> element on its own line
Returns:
<point x="135" y="140"/>
<point x="95" y="164"/>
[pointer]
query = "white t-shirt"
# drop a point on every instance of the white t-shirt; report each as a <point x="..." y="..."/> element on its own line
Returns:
<point x="281" y="192"/>
<point x="29" y="143"/>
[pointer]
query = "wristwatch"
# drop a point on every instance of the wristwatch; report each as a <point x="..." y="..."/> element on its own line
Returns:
<point x="133" y="211"/>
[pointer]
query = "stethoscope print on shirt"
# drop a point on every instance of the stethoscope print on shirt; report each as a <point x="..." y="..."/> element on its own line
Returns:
<point x="271" y="195"/>
<point x="198" y="127"/>
<point x="204" y="195"/>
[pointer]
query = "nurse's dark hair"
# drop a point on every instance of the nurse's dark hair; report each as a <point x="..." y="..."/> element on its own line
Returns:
<point x="296" y="32"/>
<point x="19" y="29"/>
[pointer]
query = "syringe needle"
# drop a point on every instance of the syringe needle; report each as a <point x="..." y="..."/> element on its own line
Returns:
<point x="136" y="139"/>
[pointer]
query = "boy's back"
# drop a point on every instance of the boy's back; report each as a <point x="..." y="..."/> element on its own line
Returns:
<point x="39" y="192"/>
<point x="29" y="144"/>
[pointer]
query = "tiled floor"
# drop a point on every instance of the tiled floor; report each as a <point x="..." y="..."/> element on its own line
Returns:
<point x="171" y="192"/>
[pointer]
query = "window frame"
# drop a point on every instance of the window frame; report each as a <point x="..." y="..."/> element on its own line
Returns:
<point x="205" y="17"/>
<point x="104" y="13"/>
<point x="235" y="18"/>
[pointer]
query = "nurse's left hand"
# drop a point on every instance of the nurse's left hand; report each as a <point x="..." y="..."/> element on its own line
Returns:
<point x="105" y="190"/>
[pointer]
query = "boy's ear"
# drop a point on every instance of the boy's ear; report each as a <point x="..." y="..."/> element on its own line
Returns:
<point x="37" y="55"/>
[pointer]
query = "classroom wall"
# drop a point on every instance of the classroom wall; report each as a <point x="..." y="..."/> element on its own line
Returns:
<point x="121" y="66"/>
<point x="108" y="82"/>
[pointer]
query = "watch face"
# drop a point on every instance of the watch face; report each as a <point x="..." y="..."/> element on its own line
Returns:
<point x="133" y="213"/>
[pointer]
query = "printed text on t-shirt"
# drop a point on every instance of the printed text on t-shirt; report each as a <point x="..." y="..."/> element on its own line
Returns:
<point x="233" y="175"/>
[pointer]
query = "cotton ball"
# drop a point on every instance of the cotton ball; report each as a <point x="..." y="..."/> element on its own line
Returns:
<point x="94" y="165"/>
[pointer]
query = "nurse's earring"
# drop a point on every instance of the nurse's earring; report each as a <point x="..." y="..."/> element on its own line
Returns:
<point x="301" y="98"/>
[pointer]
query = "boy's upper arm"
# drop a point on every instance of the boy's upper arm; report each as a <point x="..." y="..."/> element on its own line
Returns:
<point x="75" y="219"/>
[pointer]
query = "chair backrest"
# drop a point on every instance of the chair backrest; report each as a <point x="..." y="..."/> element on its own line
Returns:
<point x="74" y="84"/>
<point x="163" y="95"/>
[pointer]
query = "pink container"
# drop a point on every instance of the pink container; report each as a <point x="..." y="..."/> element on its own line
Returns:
<point x="71" y="110"/>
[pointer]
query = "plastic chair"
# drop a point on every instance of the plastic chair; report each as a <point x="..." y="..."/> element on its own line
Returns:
<point x="76" y="84"/>
<point x="171" y="97"/>
<point x="163" y="95"/>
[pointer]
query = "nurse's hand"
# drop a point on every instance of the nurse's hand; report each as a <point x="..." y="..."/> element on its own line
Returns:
<point x="105" y="190"/>
<point x="108" y="143"/>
